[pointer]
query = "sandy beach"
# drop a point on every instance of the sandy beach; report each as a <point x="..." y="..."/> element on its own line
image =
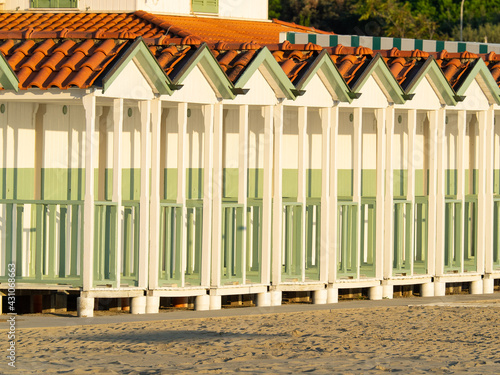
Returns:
<point x="444" y="338"/>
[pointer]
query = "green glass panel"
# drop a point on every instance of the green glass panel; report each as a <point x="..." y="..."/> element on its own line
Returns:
<point x="205" y="6"/>
<point x="54" y="3"/>
<point x="291" y="269"/>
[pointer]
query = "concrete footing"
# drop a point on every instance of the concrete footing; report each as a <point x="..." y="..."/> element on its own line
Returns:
<point x="439" y="289"/>
<point x="215" y="302"/>
<point x="488" y="286"/>
<point x="375" y="292"/>
<point x="427" y="290"/>
<point x="476" y="287"/>
<point x="387" y="291"/>
<point x="202" y="303"/>
<point x="320" y="297"/>
<point x="138" y="305"/>
<point x="152" y="305"/>
<point x="85" y="307"/>
<point x="264" y="299"/>
<point x="332" y="295"/>
<point x="276" y="297"/>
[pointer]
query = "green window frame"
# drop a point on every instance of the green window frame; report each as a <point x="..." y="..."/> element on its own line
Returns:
<point x="54" y="4"/>
<point x="205" y="6"/>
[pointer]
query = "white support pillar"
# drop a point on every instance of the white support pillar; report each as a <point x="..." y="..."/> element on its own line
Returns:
<point x="326" y="121"/>
<point x="332" y="262"/>
<point x="410" y="191"/>
<point x="145" y="110"/>
<point x="461" y="163"/>
<point x="87" y="271"/>
<point x="380" y="208"/>
<point x="243" y="176"/>
<point x="154" y="228"/>
<point x="302" y="179"/>
<point x="357" y="169"/>
<point x="489" y="217"/>
<point x="117" y="180"/>
<point x="267" y="199"/>
<point x="483" y="210"/>
<point x="440" y="191"/>
<point x="432" y="150"/>
<point x="278" y="197"/>
<point x="389" y="193"/>
<point x="217" y="197"/>
<point x="208" y="164"/>
<point x="181" y="179"/>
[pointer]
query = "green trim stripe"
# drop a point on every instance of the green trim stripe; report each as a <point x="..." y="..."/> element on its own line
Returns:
<point x="376" y="45"/>
<point x="334" y="40"/>
<point x="419" y="44"/>
<point x="354" y="41"/>
<point x="396" y="42"/>
<point x="311" y="38"/>
<point x="461" y="47"/>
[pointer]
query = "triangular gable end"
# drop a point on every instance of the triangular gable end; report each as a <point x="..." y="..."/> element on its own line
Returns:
<point x="208" y="65"/>
<point x="384" y="78"/>
<point x="272" y="72"/>
<point x="8" y="79"/>
<point x="141" y="70"/>
<point x="483" y="76"/>
<point x="436" y="78"/>
<point x="326" y="70"/>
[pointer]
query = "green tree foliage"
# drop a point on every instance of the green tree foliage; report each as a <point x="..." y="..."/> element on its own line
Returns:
<point x="423" y="19"/>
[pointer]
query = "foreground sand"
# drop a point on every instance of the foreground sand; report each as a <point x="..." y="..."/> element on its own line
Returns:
<point x="446" y="338"/>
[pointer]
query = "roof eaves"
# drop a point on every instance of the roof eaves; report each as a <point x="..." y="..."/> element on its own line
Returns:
<point x="264" y="57"/>
<point x="324" y="63"/>
<point x="481" y="68"/>
<point x="219" y="80"/>
<point x="152" y="69"/>
<point x="8" y="79"/>
<point x="380" y="68"/>
<point x="442" y="86"/>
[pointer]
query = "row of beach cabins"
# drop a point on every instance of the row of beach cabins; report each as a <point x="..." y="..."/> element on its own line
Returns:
<point x="142" y="188"/>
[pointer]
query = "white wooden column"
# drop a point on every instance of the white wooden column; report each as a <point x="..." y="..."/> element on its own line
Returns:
<point x="357" y="170"/>
<point x="267" y="199"/>
<point x="432" y="150"/>
<point x="145" y="110"/>
<point x="302" y="178"/>
<point x="278" y="196"/>
<point x="380" y="208"/>
<point x="117" y="180"/>
<point x="154" y="218"/>
<point x="389" y="193"/>
<point x="217" y="196"/>
<point x="332" y="261"/>
<point x="326" y="121"/>
<point x="208" y="164"/>
<point x="490" y="167"/>
<point x="440" y="191"/>
<point x="461" y="164"/>
<point x="87" y="271"/>
<point x="483" y="211"/>
<point x="181" y="180"/>
<point x="410" y="191"/>
<point x="243" y="177"/>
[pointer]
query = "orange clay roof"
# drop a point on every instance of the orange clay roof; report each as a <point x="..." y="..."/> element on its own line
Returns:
<point x="66" y="50"/>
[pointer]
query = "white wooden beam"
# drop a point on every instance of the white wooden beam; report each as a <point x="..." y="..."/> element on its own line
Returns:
<point x="439" y="234"/>
<point x="145" y="110"/>
<point x="267" y="199"/>
<point x="389" y="193"/>
<point x="326" y="121"/>
<point x="461" y="163"/>
<point x="87" y="271"/>
<point x="332" y="261"/>
<point x="410" y="191"/>
<point x="154" y="230"/>
<point x="358" y="154"/>
<point x="278" y="196"/>
<point x="208" y="163"/>
<point x="432" y="183"/>
<point x="117" y="180"/>
<point x="302" y="179"/>
<point x="181" y="180"/>
<point x="243" y="178"/>
<point x="483" y="211"/>
<point x="380" y="207"/>
<point x="217" y="195"/>
<point x="489" y="204"/>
